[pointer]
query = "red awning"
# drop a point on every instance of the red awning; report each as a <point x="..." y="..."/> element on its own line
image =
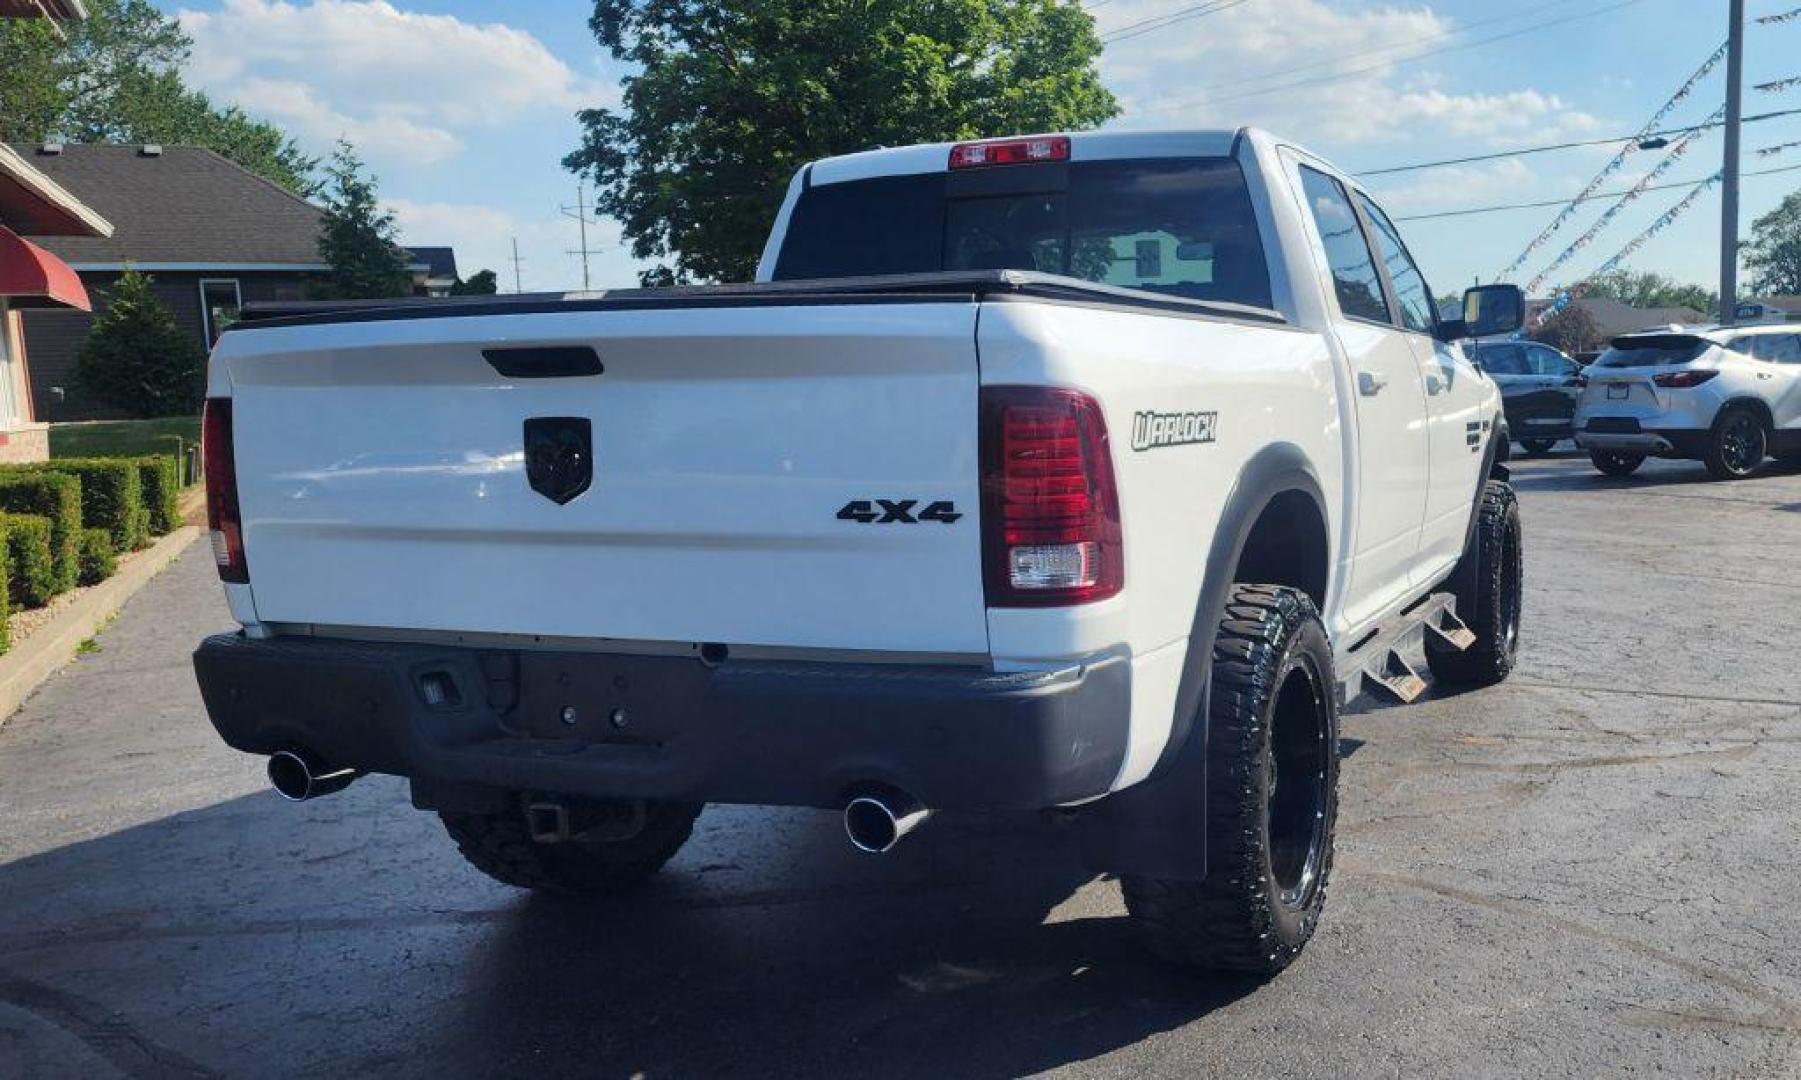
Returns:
<point x="32" y="277"/>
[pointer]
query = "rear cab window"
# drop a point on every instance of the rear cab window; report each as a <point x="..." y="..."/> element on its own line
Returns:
<point x="1659" y="350"/>
<point x="1176" y="226"/>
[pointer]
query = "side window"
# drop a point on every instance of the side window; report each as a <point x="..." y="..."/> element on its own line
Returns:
<point x="1354" y="276"/>
<point x="1505" y="360"/>
<point x="1547" y="362"/>
<point x="1780" y="349"/>
<point x="1411" y="291"/>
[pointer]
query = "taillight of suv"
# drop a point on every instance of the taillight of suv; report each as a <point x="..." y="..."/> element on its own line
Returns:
<point x="1684" y="380"/>
<point x="222" y="492"/>
<point x="1050" y="508"/>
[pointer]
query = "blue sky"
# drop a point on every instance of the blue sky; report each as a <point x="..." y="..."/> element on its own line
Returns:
<point x="465" y="108"/>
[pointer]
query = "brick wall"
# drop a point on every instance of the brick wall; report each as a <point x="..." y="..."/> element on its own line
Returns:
<point x="53" y="337"/>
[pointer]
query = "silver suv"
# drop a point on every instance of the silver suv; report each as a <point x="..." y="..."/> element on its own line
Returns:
<point x="1730" y="397"/>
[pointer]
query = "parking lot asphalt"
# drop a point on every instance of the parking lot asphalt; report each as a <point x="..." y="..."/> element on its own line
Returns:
<point x="1590" y="869"/>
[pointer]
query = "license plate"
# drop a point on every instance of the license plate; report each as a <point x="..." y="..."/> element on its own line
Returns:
<point x="1544" y="421"/>
<point x="1618" y="392"/>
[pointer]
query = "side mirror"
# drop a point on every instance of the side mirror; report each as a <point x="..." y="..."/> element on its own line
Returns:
<point x="1488" y="311"/>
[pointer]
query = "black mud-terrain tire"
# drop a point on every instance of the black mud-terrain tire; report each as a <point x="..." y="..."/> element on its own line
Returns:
<point x="1272" y="796"/>
<point x="1538" y="447"/>
<point x="1489" y="584"/>
<point x="1738" y="443"/>
<point x="500" y="845"/>
<point x="1616" y="462"/>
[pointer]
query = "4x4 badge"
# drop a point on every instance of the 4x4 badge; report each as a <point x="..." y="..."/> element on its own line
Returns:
<point x="559" y="456"/>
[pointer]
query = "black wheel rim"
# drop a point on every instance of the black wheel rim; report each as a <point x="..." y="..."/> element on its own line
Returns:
<point x="1299" y="790"/>
<point x="1742" y="443"/>
<point x="1512" y="590"/>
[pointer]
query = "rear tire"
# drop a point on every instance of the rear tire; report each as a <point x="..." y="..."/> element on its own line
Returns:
<point x="1737" y="445"/>
<point x="500" y="845"/>
<point x="1616" y="462"/>
<point x="1537" y="447"/>
<point x="1489" y="585"/>
<point x="1272" y="796"/>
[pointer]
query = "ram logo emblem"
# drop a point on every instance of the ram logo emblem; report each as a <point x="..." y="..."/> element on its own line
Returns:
<point x="559" y="456"/>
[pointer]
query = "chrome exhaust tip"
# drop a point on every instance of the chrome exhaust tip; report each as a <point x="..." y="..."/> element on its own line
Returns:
<point x="876" y="823"/>
<point x="296" y="777"/>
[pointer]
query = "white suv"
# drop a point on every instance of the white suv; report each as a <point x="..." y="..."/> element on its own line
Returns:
<point x="1728" y="396"/>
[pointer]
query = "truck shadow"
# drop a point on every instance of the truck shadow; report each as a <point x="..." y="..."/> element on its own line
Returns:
<point x="346" y="937"/>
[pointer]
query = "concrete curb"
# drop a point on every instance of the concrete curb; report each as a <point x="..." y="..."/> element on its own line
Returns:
<point x="45" y="652"/>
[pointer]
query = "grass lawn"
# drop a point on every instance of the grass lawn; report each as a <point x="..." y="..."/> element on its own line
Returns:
<point x="124" y="438"/>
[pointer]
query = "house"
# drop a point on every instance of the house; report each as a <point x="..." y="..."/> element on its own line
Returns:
<point x="1616" y="318"/>
<point x="31" y="203"/>
<point x="211" y="235"/>
<point x="1769" y="309"/>
<point x="434" y="271"/>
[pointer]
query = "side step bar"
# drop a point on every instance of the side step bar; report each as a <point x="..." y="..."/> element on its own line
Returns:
<point x="1391" y="656"/>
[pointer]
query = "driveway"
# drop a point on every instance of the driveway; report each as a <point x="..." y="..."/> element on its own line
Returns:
<point x="1590" y="869"/>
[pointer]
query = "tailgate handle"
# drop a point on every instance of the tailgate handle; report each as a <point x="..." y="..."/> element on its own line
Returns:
<point x="558" y="362"/>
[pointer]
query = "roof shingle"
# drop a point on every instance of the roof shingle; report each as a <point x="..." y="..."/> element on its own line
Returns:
<point x="184" y="205"/>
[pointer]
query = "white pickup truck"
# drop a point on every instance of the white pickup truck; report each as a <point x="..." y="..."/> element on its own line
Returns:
<point x="1084" y="473"/>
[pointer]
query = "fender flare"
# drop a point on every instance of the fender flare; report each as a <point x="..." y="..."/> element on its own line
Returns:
<point x="1157" y="827"/>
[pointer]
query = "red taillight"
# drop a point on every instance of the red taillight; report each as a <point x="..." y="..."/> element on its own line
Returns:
<point x="1682" y="380"/>
<point x="222" y="492"/>
<point x="978" y="155"/>
<point x="1050" y="508"/>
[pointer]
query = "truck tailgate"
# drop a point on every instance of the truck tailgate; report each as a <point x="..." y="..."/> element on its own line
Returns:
<point x="383" y="476"/>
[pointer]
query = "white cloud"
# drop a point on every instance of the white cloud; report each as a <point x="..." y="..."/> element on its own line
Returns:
<point x="1273" y="65"/>
<point x="374" y="73"/>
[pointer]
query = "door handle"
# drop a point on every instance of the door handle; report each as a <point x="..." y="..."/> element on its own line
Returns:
<point x="1370" y="383"/>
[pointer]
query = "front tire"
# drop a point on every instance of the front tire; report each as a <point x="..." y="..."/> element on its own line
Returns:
<point x="501" y="846"/>
<point x="1737" y="445"/>
<point x="1489" y="584"/>
<point x="1272" y="796"/>
<point x="1616" y="462"/>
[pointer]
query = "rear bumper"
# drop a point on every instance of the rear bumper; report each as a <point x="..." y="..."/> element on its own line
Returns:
<point x="604" y="725"/>
<point x="1662" y="442"/>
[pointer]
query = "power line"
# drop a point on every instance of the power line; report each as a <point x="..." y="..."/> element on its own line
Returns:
<point x="1504" y="207"/>
<point x="1548" y="148"/>
<point x="1427" y="39"/>
<point x="1177" y="103"/>
<point x="1158" y="22"/>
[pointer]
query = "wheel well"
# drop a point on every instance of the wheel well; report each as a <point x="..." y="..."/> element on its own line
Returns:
<point x="1756" y="405"/>
<point x="1287" y="546"/>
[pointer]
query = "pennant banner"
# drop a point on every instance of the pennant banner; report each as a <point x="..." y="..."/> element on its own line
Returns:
<point x="1565" y="297"/>
<point x="1779" y="85"/>
<point x="1772" y="151"/>
<point x="1677" y="151"/>
<point x="1619" y="160"/>
<point x="1787" y="16"/>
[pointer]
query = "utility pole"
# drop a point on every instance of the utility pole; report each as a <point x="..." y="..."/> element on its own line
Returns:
<point x="580" y="213"/>
<point x="1735" y="87"/>
<point x="517" y="287"/>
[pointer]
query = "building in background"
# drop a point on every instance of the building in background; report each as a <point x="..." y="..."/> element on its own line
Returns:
<point x="1615" y="318"/>
<point x="31" y="278"/>
<point x="211" y="235"/>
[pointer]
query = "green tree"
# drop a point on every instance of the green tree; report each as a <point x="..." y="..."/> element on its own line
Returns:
<point x="728" y="98"/>
<point x="357" y="237"/>
<point x="1574" y="330"/>
<point x="1649" y="289"/>
<point x="116" y="77"/>
<point x="1774" y="253"/>
<point x="480" y="283"/>
<point x="137" y="358"/>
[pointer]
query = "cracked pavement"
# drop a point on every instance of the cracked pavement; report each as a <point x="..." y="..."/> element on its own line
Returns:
<point x="1590" y="869"/>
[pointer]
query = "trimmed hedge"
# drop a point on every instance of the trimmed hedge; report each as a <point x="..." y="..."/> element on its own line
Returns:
<point x="56" y="496"/>
<point x="6" y="632"/>
<point x="96" y="557"/>
<point x="31" y="580"/>
<point x="112" y="498"/>
<point x="160" y="478"/>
